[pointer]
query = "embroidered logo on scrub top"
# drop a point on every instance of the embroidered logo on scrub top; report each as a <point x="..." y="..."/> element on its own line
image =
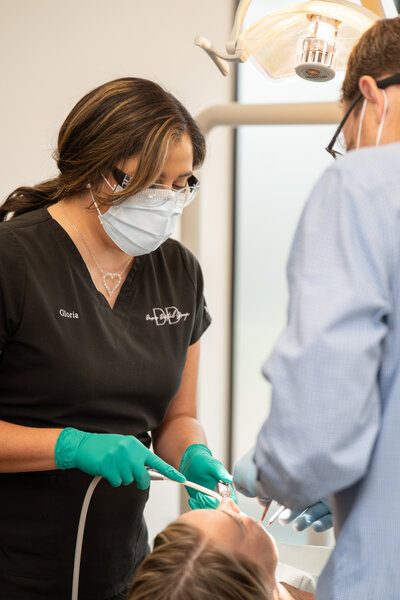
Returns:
<point x="169" y="314"/>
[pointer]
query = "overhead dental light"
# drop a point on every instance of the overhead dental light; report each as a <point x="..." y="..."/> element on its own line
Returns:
<point x="312" y="39"/>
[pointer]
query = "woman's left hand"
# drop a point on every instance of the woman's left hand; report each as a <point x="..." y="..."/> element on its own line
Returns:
<point x="199" y="466"/>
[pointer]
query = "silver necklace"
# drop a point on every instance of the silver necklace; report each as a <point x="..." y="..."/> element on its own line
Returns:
<point x="111" y="281"/>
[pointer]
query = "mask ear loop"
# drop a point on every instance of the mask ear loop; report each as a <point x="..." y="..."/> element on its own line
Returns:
<point x="364" y="106"/>
<point x="95" y="203"/>
<point x="109" y="184"/>
<point x="381" y="124"/>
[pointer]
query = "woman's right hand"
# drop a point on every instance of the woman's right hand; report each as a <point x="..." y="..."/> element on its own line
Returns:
<point x="121" y="459"/>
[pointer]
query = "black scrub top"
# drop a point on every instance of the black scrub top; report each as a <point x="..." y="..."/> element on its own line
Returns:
<point x="69" y="360"/>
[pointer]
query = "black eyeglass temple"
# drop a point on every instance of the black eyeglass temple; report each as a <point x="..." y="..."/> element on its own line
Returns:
<point x="392" y="80"/>
<point x="332" y="152"/>
<point x="382" y="84"/>
<point x="340" y="126"/>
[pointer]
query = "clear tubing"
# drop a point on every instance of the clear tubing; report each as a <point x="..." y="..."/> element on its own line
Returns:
<point x="79" y="537"/>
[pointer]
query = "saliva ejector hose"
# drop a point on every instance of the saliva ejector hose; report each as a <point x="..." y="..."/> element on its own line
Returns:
<point x="154" y="476"/>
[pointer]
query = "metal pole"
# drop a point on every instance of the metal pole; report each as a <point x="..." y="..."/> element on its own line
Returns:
<point x="235" y="114"/>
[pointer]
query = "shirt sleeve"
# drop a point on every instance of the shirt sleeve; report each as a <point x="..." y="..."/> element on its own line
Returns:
<point x="202" y="317"/>
<point x="12" y="285"/>
<point x="324" y="370"/>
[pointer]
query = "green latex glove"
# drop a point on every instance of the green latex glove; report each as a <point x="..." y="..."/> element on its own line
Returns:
<point x="199" y="466"/>
<point x="120" y="459"/>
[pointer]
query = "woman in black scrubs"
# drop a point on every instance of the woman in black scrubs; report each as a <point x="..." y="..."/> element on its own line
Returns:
<point x="101" y="316"/>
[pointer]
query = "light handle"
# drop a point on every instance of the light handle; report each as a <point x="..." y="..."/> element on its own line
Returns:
<point x="220" y="59"/>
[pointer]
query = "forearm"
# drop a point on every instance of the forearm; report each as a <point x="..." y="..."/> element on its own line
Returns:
<point x="173" y="437"/>
<point x="25" y="449"/>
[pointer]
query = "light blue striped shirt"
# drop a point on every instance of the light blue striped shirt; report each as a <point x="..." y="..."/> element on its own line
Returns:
<point x="334" y="426"/>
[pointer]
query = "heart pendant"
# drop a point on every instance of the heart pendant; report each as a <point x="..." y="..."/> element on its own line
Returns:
<point x="110" y="286"/>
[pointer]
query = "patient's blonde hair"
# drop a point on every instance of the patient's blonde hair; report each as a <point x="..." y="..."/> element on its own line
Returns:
<point x="186" y="566"/>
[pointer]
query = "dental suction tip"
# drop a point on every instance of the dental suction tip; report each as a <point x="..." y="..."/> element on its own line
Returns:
<point x="264" y="512"/>
<point x="275" y="516"/>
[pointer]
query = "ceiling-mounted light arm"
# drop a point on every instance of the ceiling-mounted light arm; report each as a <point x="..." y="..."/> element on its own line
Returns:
<point x="382" y="8"/>
<point x="235" y="52"/>
<point x="231" y="45"/>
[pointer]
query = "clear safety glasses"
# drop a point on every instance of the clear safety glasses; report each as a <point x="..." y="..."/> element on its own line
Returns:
<point x="338" y="138"/>
<point x="159" y="194"/>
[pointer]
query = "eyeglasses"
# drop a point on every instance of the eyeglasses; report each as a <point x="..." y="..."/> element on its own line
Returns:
<point x="183" y="194"/>
<point x="384" y="83"/>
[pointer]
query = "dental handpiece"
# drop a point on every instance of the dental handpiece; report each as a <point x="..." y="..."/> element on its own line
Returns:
<point x="224" y="489"/>
<point x="156" y="476"/>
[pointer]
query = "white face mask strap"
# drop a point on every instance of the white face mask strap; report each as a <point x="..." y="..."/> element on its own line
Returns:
<point x="108" y="183"/>
<point x="95" y="203"/>
<point x="381" y="124"/>
<point x="364" y="106"/>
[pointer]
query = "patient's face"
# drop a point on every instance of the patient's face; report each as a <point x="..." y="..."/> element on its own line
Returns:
<point x="232" y="530"/>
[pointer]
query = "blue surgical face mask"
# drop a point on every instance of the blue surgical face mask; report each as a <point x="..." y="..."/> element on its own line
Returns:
<point x="142" y="222"/>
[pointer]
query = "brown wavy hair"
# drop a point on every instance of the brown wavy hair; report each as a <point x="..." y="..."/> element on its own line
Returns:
<point x="115" y="121"/>
<point x="377" y="53"/>
<point x="186" y="566"/>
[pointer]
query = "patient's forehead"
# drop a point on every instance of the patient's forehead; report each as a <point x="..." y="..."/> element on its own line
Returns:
<point x="214" y="525"/>
<point x="202" y="517"/>
<point x="251" y="541"/>
<point x="224" y="528"/>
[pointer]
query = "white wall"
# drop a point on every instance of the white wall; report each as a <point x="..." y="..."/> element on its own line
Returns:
<point x="51" y="53"/>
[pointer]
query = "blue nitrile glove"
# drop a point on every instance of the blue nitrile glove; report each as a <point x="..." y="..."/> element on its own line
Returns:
<point x="245" y="478"/>
<point x="199" y="466"/>
<point x="319" y="516"/>
<point x="118" y="458"/>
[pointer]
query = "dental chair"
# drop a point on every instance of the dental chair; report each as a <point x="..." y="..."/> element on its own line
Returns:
<point x="301" y="566"/>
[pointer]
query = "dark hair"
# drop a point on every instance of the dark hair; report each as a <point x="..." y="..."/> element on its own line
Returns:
<point x="377" y="53"/>
<point x="115" y="121"/>
<point x="186" y="566"/>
